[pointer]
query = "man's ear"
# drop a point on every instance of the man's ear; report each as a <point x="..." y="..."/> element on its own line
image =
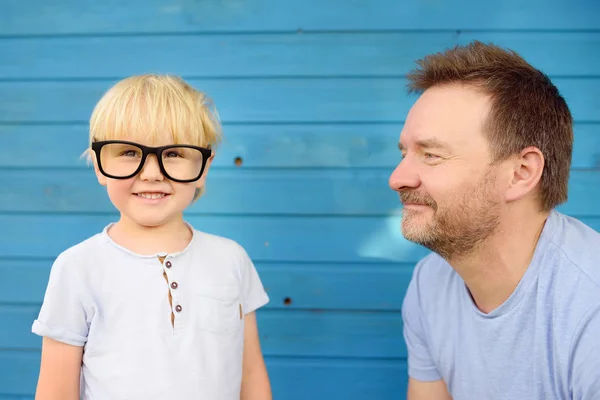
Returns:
<point x="526" y="173"/>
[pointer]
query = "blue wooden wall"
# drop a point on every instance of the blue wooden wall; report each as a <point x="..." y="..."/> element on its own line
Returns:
<point x="312" y="97"/>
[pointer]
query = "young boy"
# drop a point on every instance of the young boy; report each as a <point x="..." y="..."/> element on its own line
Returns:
<point x="151" y="308"/>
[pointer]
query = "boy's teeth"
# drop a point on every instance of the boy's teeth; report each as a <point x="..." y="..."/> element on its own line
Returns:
<point x="151" y="195"/>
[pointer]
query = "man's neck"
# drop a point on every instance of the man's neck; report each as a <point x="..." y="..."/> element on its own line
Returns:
<point x="493" y="271"/>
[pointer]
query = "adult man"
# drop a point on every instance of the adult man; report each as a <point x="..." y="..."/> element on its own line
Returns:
<point x="507" y="306"/>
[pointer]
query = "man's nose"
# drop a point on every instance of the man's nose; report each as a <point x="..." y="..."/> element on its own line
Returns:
<point x="151" y="170"/>
<point x="404" y="177"/>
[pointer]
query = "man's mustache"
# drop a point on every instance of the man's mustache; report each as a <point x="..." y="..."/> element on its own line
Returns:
<point x="414" y="197"/>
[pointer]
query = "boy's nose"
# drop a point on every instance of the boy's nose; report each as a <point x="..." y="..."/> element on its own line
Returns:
<point x="151" y="170"/>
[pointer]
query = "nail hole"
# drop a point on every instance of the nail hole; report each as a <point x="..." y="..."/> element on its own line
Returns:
<point x="287" y="301"/>
<point x="238" y="161"/>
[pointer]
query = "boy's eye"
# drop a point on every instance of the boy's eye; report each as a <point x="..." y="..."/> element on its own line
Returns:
<point x="172" y="154"/>
<point x="129" y="153"/>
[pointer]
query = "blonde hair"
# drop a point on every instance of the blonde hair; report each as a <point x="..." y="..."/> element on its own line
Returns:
<point x="148" y="107"/>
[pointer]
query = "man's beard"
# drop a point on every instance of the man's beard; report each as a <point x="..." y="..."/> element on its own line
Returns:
<point x="457" y="230"/>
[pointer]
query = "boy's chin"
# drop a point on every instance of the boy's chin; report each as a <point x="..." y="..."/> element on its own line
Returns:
<point x="152" y="220"/>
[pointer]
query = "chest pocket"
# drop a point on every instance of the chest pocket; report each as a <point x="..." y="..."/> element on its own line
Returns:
<point x="219" y="308"/>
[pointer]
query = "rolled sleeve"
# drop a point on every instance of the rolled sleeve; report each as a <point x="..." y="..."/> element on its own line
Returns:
<point x="64" y="315"/>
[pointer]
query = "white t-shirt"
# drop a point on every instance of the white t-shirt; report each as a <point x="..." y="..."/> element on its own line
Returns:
<point x="116" y="304"/>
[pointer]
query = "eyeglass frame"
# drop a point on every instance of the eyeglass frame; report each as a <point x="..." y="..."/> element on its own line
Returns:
<point x="147" y="150"/>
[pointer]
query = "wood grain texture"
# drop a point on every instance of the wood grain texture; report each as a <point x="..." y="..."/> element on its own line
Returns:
<point x="253" y="101"/>
<point x="160" y="16"/>
<point x="357" y="53"/>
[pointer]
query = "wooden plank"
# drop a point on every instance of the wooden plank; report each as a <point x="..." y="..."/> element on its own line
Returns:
<point x="267" y="55"/>
<point x="307" y="286"/>
<point x="298" y="192"/>
<point x="291" y="378"/>
<point x="20" y="371"/>
<point x="258" y="146"/>
<point x="263" y="100"/>
<point x="266" y="238"/>
<point x="304" y="333"/>
<point x="345" y="54"/>
<point x="152" y="16"/>
<point x="344" y="379"/>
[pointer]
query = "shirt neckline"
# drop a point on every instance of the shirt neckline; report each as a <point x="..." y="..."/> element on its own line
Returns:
<point x="529" y="277"/>
<point x="153" y="256"/>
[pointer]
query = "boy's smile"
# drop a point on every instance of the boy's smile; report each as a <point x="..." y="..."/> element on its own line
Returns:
<point x="151" y="196"/>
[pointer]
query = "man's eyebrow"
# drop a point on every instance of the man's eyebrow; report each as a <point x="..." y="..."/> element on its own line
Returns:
<point x="432" y="144"/>
<point x="428" y="144"/>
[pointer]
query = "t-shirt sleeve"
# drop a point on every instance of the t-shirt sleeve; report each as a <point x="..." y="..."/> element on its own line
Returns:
<point x="420" y="364"/>
<point x="585" y="374"/>
<point x="253" y="292"/>
<point x="63" y="315"/>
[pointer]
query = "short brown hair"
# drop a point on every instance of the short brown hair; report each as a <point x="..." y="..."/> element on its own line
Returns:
<point x="526" y="108"/>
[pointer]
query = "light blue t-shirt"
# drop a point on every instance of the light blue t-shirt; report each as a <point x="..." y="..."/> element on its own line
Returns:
<point x="152" y="330"/>
<point x="543" y="343"/>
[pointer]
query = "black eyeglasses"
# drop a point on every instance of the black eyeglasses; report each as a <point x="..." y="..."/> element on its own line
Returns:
<point x="118" y="159"/>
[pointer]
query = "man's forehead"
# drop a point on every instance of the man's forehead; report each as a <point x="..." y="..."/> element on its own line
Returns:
<point x="446" y="117"/>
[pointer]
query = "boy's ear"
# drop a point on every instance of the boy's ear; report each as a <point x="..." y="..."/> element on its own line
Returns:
<point x="202" y="180"/>
<point x="101" y="178"/>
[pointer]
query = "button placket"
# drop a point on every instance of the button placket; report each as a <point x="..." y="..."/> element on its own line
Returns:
<point x="173" y="285"/>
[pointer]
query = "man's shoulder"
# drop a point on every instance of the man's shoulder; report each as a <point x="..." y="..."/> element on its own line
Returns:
<point x="576" y="247"/>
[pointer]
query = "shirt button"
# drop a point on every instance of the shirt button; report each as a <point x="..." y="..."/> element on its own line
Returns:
<point x="168" y="264"/>
<point x="174" y="285"/>
<point x="178" y="308"/>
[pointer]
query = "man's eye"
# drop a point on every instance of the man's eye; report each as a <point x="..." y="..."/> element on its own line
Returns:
<point x="430" y="156"/>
